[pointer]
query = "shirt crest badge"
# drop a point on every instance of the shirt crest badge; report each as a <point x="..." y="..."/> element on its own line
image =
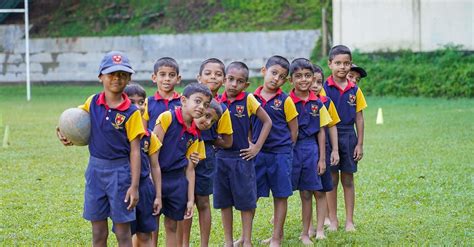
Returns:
<point x="240" y="111"/>
<point x="352" y="100"/>
<point x="119" y="120"/>
<point x="314" y="110"/>
<point x="276" y="105"/>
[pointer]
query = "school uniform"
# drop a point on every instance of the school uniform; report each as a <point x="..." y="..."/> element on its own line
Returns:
<point x="108" y="174"/>
<point x="178" y="144"/>
<point x="273" y="162"/>
<point x="348" y="102"/>
<point x="235" y="183"/>
<point x="312" y="117"/>
<point x="155" y="105"/>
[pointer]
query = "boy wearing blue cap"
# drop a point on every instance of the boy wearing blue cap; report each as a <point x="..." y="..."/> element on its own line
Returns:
<point x="113" y="173"/>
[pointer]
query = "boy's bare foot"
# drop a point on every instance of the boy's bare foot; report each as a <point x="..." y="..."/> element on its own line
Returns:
<point x="350" y="227"/>
<point x="306" y="240"/>
<point x="238" y="242"/>
<point x="267" y="241"/>
<point x="320" y="235"/>
<point x="327" y="222"/>
<point x="311" y="232"/>
<point x="333" y="226"/>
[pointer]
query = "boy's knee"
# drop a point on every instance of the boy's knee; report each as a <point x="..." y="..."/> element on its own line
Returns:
<point x="306" y="195"/>
<point x="99" y="236"/>
<point x="320" y="195"/>
<point x="202" y="203"/>
<point x="347" y="181"/>
<point x="143" y="237"/>
<point x="171" y="225"/>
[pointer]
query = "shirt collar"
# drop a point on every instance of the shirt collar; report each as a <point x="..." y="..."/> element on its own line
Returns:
<point x="258" y="93"/>
<point x="323" y="98"/>
<point x="224" y="99"/>
<point x="158" y="96"/>
<point x="122" y="107"/>
<point x="331" y="83"/>
<point x="193" y="130"/>
<point x="297" y="99"/>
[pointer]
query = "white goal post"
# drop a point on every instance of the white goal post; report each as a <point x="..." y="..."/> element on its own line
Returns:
<point x="27" y="45"/>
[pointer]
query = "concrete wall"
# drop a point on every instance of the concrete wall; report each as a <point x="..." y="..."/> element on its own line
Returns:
<point x="77" y="59"/>
<point x="390" y="25"/>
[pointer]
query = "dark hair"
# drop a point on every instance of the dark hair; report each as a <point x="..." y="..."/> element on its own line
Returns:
<point x="319" y="70"/>
<point x="300" y="63"/>
<point x="135" y="89"/>
<point x="211" y="60"/>
<point x="194" y="88"/>
<point x="338" y="50"/>
<point x="278" y="60"/>
<point x="166" y="62"/>
<point x="240" y="66"/>
<point x="217" y="107"/>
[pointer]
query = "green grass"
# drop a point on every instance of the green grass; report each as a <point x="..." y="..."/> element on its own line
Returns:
<point x="414" y="185"/>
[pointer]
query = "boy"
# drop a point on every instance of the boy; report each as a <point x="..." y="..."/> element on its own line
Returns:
<point x="273" y="162"/>
<point x="356" y="73"/>
<point x="149" y="204"/>
<point x="166" y="76"/>
<point x="349" y="102"/>
<point x="211" y="74"/>
<point x="113" y="172"/>
<point x="180" y="137"/>
<point x="235" y="183"/>
<point x="309" y="158"/>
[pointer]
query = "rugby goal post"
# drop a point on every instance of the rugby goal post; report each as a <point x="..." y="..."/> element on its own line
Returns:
<point x="27" y="45"/>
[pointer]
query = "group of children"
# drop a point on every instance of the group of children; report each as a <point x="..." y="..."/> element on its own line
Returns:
<point x="165" y="153"/>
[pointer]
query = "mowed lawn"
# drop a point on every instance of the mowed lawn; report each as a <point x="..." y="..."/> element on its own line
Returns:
<point x="414" y="185"/>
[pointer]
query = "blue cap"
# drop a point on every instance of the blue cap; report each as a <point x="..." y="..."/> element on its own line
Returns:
<point x="115" y="61"/>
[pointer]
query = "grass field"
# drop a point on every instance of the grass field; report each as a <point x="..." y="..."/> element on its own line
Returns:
<point x="414" y="185"/>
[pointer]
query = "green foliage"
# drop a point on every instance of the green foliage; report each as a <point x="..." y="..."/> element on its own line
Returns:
<point x="120" y="17"/>
<point x="448" y="72"/>
<point x="411" y="187"/>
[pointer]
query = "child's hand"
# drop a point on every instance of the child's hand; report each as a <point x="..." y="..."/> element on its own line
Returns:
<point x="250" y="152"/>
<point x="321" y="167"/>
<point x="189" y="210"/>
<point x="334" y="158"/>
<point x="131" y="197"/>
<point x="358" y="152"/>
<point x="194" y="157"/>
<point x="62" y="138"/>
<point x="157" y="204"/>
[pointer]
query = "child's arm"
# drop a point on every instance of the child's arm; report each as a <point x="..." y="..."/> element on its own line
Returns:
<point x="291" y="115"/>
<point x="334" y="145"/>
<point x="132" y="192"/>
<point x="253" y="149"/>
<point x="225" y="131"/>
<point x="322" y="151"/>
<point x="293" y="126"/>
<point x="358" y="151"/>
<point x="224" y="141"/>
<point x="156" y="176"/>
<point x="191" y="176"/>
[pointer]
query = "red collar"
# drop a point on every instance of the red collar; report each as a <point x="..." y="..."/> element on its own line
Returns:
<point x="217" y="97"/>
<point x="331" y="83"/>
<point x="224" y="99"/>
<point x="158" y="96"/>
<point x="297" y="99"/>
<point x="258" y="93"/>
<point x="122" y="107"/>
<point x="323" y="98"/>
<point x="193" y="130"/>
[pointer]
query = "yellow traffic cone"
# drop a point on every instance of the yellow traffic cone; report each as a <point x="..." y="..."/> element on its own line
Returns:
<point x="379" y="117"/>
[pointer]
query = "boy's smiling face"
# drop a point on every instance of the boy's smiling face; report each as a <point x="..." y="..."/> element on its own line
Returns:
<point x="166" y="79"/>
<point x="115" y="82"/>
<point x="317" y="84"/>
<point x="212" y="76"/>
<point x="302" y="79"/>
<point x="340" y="65"/>
<point x="235" y="82"/>
<point x="353" y="76"/>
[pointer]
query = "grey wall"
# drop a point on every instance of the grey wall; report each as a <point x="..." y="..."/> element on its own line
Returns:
<point x="77" y="59"/>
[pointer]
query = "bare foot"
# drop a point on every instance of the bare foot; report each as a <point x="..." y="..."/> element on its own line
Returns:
<point x="305" y="240"/>
<point x="311" y="232"/>
<point x="267" y="241"/>
<point x="238" y="242"/>
<point x="350" y="227"/>
<point x="327" y="222"/>
<point x="274" y="243"/>
<point x="320" y="235"/>
<point x="333" y="226"/>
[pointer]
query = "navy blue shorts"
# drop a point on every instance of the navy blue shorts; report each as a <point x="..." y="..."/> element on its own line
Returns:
<point x="107" y="182"/>
<point x="234" y="182"/>
<point x="205" y="172"/>
<point x="326" y="178"/>
<point x="347" y="140"/>
<point x="273" y="171"/>
<point x="174" y="194"/>
<point x="305" y="163"/>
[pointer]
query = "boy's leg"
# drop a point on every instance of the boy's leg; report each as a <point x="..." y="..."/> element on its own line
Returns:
<point x="154" y="235"/>
<point x="332" y="202"/>
<point x="142" y="239"/>
<point x="347" y="180"/>
<point x="321" y="208"/>
<point x="171" y="227"/>
<point x="100" y="232"/>
<point x="306" y="208"/>
<point x="186" y="225"/>
<point x="204" y="209"/>
<point x="280" y="207"/>
<point x="247" y="221"/>
<point x="227" y="221"/>
<point x="123" y="234"/>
